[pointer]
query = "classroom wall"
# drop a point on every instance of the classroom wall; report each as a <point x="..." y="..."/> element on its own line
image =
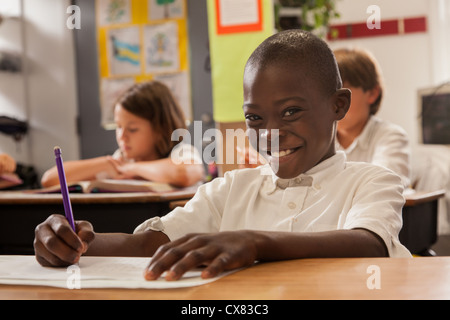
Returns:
<point x="12" y="85"/>
<point x="47" y="98"/>
<point x="44" y="93"/>
<point x="94" y="140"/>
<point x="408" y="62"/>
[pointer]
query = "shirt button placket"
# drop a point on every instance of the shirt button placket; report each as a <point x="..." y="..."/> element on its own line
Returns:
<point x="291" y="205"/>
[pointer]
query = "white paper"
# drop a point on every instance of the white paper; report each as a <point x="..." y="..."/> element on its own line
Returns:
<point x="114" y="12"/>
<point x="111" y="90"/>
<point x="169" y="9"/>
<point x="161" y="48"/>
<point x="91" y="272"/>
<point x="178" y="83"/>
<point x="124" y="51"/>
<point x="238" y="12"/>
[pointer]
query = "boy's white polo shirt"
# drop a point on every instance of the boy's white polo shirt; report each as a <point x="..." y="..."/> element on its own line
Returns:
<point x="333" y="195"/>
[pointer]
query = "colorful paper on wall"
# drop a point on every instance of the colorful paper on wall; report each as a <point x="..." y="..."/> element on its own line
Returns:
<point x="178" y="83"/>
<point x="161" y="48"/>
<point x="114" y="12"/>
<point x="229" y="53"/>
<point x="165" y="9"/>
<point x="124" y="54"/>
<point x="139" y="40"/>
<point x="111" y="89"/>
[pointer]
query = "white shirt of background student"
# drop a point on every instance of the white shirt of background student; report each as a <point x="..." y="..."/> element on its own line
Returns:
<point x="365" y="137"/>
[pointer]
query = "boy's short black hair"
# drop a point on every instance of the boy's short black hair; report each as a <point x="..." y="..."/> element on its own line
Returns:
<point x="296" y="48"/>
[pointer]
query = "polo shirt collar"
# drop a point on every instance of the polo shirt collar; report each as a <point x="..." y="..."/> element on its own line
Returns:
<point x="363" y="140"/>
<point x="313" y="177"/>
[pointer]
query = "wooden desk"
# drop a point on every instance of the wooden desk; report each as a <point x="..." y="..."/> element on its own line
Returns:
<point x="420" y="213"/>
<point x="121" y="212"/>
<point x="420" y="197"/>
<point x="20" y="213"/>
<point x="403" y="279"/>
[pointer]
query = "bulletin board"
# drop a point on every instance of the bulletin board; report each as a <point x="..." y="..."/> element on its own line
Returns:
<point x="141" y="40"/>
<point x="236" y="28"/>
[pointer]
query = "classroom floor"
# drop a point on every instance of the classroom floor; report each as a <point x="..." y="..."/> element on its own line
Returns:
<point x="442" y="246"/>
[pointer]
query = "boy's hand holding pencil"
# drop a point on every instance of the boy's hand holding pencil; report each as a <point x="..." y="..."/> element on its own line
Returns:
<point x="57" y="245"/>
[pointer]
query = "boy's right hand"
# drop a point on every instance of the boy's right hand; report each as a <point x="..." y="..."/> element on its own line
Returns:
<point x="55" y="243"/>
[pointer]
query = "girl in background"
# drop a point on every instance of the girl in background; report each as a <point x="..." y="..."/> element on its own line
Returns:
<point x="145" y="116"/>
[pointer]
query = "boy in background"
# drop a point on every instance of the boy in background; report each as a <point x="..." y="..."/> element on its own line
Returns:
<point x="362" y="135"/>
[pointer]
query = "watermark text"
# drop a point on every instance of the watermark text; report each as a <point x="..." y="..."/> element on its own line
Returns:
<point x="74" y="20"/>
<point x="374" y="280"/>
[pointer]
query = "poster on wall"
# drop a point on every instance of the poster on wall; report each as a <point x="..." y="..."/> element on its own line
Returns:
<point x="178" y="83"/>
<point x="138" y="41"/>
<point x="235" y="16"/>
<point x="161" y="48"/>
<point x="165" y="9"/>
<point x="114" y="12"/>
<point x="111" y="90"/>
<point x="124" y="51"/>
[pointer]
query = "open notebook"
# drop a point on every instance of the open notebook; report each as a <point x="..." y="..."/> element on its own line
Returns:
<point x="91" y="272"/>
<point x="111" y="185"/>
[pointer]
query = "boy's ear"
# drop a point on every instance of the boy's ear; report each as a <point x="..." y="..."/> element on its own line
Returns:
<point x="374" y="94"/>
<point x="342" y="100"/>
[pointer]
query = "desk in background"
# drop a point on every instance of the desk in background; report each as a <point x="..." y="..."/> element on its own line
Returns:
<point x="420" y="225"/>
<point x="20" y="213"/>
<point x="403" y="279"/>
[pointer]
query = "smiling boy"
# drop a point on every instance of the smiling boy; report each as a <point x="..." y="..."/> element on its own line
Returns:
<point x="314" y="204"/>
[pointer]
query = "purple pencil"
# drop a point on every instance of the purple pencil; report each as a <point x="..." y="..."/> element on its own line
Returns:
<point x="64" y="189"/>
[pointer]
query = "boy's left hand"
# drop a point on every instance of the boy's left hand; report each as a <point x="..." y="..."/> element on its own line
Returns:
<point x="219" y="252"/>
